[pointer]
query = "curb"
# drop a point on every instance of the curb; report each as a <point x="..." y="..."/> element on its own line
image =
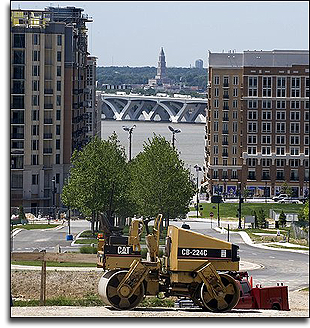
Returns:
<point x="246" y="238"/>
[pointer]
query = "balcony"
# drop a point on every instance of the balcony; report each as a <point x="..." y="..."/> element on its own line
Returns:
<point x="17" y="136"/>
<point x="225" y="143"/>
<point x="226" y="85"/>
<point x="225" y="118"/>
<point x="47" y="150"/>
<point x="48" y="106"/>
<point x="225" y="131"/>
<point x="47" y="136"/>
<point x="48" y="91"/>
<point x="224" y="154"/>
<point x="225" y="107"/>
<point x="48" y="121"/>
<point x="225" y="96"/>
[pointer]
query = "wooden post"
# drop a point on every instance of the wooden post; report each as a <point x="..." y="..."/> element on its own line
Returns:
<point x="43" y="283"/>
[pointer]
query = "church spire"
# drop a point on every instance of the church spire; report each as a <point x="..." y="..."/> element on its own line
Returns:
<point x="161" y="69"/>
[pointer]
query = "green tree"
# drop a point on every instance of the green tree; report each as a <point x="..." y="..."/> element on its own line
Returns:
<point x="98" y="180"/>
<point x="286" y="189"/>
<point x="282" y="219"/>
<point x="261" y="218"/>
<point x="160" y="183"/>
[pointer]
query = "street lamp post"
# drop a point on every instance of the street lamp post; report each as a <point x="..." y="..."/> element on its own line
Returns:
<point x="53" y="194"/>
<point x="239" y="209"/>
<point x="129" y="130"/>
<point x="198" y="168"/>
<point x="174" y="131"/>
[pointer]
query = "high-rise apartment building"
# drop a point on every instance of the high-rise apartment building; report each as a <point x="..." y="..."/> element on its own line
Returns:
<point x="49" y="101"/>
<point x="258" y="122"/>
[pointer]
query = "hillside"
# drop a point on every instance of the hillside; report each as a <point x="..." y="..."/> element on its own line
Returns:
<point x="140" y="75"/>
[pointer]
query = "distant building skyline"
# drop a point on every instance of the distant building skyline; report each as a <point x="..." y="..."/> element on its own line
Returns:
<point x="121" y="33"/>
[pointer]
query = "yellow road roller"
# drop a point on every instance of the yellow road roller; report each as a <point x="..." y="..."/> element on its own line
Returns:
<point x="193" y="265"/>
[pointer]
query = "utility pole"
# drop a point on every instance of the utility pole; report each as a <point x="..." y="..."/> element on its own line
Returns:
<point x="239" y="209"/>
<point x="129" y="130"/>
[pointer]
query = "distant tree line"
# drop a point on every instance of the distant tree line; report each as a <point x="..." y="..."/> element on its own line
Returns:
<point x="141" y="75"/>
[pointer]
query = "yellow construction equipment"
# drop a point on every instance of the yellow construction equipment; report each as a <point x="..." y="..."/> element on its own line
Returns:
<point x="193" y="265"/>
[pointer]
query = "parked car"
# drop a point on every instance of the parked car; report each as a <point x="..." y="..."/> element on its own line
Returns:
<point x="289" y="201"/>
<point x="279" y="197"/>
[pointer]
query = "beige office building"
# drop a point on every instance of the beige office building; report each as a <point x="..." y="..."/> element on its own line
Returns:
<point x="258" y="122"/>
<point x="49" y="101"/>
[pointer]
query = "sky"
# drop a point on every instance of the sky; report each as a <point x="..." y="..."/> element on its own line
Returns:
<point x="132" y="33"/>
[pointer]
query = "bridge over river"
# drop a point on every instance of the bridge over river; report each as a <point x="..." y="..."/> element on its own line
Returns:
<point x="152" y="108"/>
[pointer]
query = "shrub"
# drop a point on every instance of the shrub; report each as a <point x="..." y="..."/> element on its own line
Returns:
<point x="88" y="250"/>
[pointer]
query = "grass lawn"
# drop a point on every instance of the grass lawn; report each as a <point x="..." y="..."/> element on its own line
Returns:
<point x="36" y="226"/>
<point x="229" y="210"/>
<point x="54" y="264"/>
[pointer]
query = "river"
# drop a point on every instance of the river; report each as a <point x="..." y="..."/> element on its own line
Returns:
<point x="190" y="142"/>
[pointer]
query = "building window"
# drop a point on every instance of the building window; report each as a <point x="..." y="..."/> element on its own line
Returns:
<point x="35" y="130"/>
<point x="295" y="140"/>
<point x="36" y="55"/>
<point x="35" y="144"/>
<point x="294" y="127"/>
<point x="216" y="80"/>
<point x="266" y="139"/>
<point x="235" y="127"/>
<point x="280" y="175"/>
<point x="58" y="73"/>
<point x="18" y="40"/>
<point x="281" y="87"/>
<point x="215" y="174"/>
<point x="58" y="56"/>
<point x="295" y="104"/>
<point x="235" y="92"/>
<point x="267" y="86"/>
<point x="252" y="86"/>
<point x="306" y="140"/>
<point x="58" y="86"/>
<point x="252" y="139"/>
<point x="281" y="104"/>
<point x="59" y="40"/>
<point x="265" y="174"/>
<point x="294" y="175"/>
<point x="235" y="80"/>
<point x="280" y="115"/>
<point x="252" y="150"/>
<point x="57" y="130"/>
<point x="35" y="100"/>
<point x="307" y="87"/>
<point x="234" y="174"/>
<point x="19" y="57"/>
<point x="58" y="100"/>
<point x="234" y="161"/>
<point x="266" y="115"/>
<point x="280" y="140"/>
<point x="294" y="151"/>
<point x="306" y="151"/>
<point x="35" y="39"/>
<point x="216" y="103"/>
<point x="295" y="87"/>
<point x="35" y="85"/>
<point x="266" y="150"/>
<point x="252" y="104"/>
<point x="215" y="150"/>
<point x="57" y="144"/>
<point x="234" y="150"/>
<point x="251" y="175"/>
<point x="235" y="115"/>
<point x="35" y="70"/>
<point x="266" y="127"/>
<point x="280" y="162"/>
<point x="35" y="179"/>
<point x="280" y="150"/>
<point x="57" y="158"/>
<point x="18" y="102"/>
<point x="306" y="130"/>
<point x="18" y="72"/>
<point x="295" y="116"/>
<point x="252" y="127"/>
<point x="280" y="127"/>
<point x="215" y="160"/>
<point x="216" y="138"/>
<point x="266" y="104"/>
<point x="252" y="114"/>
<point x="234" y="139"/>
<point x="226" y="81"/>
<point x="34" y="159"/>
<point x="235" y="103"/>
<point x="216" y="92"/>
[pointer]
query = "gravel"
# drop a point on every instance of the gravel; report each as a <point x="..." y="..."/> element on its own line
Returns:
<point x="25" y="284"/>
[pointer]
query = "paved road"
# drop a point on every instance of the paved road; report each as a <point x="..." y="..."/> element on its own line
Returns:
<point x="291" y="268"/>
<point x="29" y="240"/>
<point x="278" y="266"/>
